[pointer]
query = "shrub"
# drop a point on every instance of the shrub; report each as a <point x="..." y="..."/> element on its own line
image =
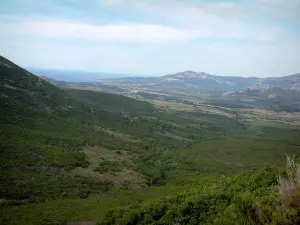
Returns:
<point x="289" y="192"/>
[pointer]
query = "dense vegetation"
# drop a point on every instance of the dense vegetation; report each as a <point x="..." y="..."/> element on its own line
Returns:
<point x="70" y="155"/>
<point x="213" y="200"/>
<point x="43" y="131"/>
<point x="251" y="197"/>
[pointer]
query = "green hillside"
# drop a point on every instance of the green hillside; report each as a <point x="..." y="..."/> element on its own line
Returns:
<point x="44" y="131"/>
<point x="220" y="200"/>
<point x="113" y="103"/>
<point x="274" y="98"/>
<point x="72" y="155"/>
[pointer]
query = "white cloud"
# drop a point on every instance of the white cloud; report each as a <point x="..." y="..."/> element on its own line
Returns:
<point x="193" y="26"/>
<point x="213" y="20"/>
<point x="217" y="20"/>
<point x="269" y="34"/>
<point x="135" y="32"/>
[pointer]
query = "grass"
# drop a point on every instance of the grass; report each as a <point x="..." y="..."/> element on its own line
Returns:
<point x="237" y="152"/>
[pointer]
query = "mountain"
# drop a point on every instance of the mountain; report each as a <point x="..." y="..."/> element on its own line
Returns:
<point x="235" y="92"/>
<point x="72" y="156"/>
<point x="275" y="98"/>
<point x="244" y="93"/>
<point x="273" y="93"/>
<point x="44" y="131"/>
<point x="215" y="83"/>
<point x="47" y="136"/>
<point x="206" y="82"/>
<point x="209" y="82"/>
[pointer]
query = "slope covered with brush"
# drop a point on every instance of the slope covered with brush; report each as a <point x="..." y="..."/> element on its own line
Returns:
<point x="45" y="129"/>
<point x="251" y="197"/>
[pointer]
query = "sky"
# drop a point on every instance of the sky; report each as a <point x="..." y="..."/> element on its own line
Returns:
<point x="258" y="38"/>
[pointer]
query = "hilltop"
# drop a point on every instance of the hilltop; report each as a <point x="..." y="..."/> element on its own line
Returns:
<point x="207" y="82"/>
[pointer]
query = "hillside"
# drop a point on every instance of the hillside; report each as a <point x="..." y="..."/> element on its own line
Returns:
<point x="274" y="98"/>
<point x="72" y="155"/>
<point x="243" y="199"/>
<point x="278" y="94"/>
<point x="41" y="139"/>
<point x="45" y="129"/>
<point x="252" y="197"/>
<point x="113" y="103"/>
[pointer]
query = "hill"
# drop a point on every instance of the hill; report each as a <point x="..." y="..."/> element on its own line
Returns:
<point x="113" y="103"/>
<point x="71" y="155"/>
<point x="252" y="197"/>
<point x="41" y="139"/>
<point x="278" y="94"/>
<point x="274" y="98"/>
<point x="206" y="82"/>
<point x="186" y="79"/>
<point x="45" y="132"/>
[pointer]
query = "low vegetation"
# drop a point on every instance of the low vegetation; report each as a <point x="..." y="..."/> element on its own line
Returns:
<point x="79" y="155"/>
<point x="251" y="197"/>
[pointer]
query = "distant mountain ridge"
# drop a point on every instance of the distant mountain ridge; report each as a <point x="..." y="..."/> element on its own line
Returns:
<point x="228" y="82"/>
<point x="207" y="82"/>
<point x="186" y="79"/>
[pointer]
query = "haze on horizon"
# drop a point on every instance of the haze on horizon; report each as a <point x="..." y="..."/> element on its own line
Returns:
<point x="235" y="38"/>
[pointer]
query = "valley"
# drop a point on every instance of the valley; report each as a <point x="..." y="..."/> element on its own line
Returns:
<point x="186" y="148"/>
<point x="277" y="94"/>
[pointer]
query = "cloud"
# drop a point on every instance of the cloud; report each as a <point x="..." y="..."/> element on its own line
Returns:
<point x="218" y="20"/>
<point x="132" y="32"/>
<point x="199" y="26"/>
<point x="175" y="21"/>
<point x="279" y="8"/>
<point x="269" y="34"/>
